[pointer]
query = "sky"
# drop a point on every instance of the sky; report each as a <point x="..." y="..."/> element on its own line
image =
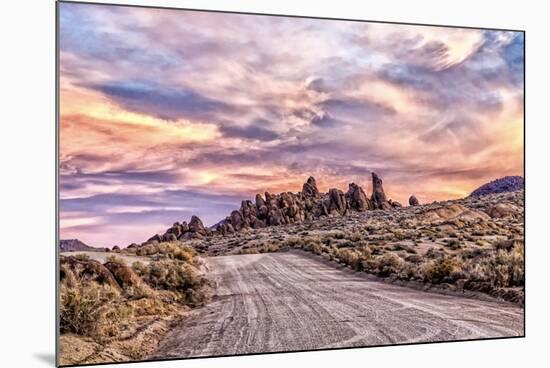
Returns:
<point x="166" y="114"/>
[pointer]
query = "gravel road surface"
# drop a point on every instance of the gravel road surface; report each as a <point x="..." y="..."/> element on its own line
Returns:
<point x="291" y="301"/>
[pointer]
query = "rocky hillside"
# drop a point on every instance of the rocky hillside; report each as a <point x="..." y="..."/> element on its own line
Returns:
<point x="288" y="208"/>
<point x="502" y="185"/>
<point x="74" y="245"/>
<point x="470" y="245"/>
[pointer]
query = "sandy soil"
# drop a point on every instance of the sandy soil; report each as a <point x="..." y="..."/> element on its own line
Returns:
<point x="287" y="301"/>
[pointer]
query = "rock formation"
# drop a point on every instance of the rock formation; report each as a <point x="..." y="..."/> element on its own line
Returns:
<point x="337" y="201"/>
<point x="501" y="210"/>
<point x="413" y="201"/>
<point x="505" y="184"/>
<point x="309" y="189"/>
<point x="284" y="208"/>
<point x="181" y="231"/>
<point x="73" y="245"/>
<point x="394" y="204"/>
<point x="357" y="199"/>
<point x="378" y="198"/>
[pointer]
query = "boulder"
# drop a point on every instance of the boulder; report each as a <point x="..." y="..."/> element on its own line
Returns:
<point x="394" y="204"/>
<point x="356" y="197"/>
<point x="225" y="227"/>
<point x="378" y="198"/>
<point x="88" y="269"/>
<point x="248" y="209"/>
<point x="176" y="230"/>
<point x="256" y="223"/>
<point x="275" y="217"/>
<point x="261" y="207"/>
<point x="124" y="275"/>
<point x="337" y="201"/>
<point x="309" y="189"/>
<point x="270" y="200"/>
<point x="413" y="201"/>
<point x="237" y="220"/>
<point x="184" y="227"/>
<point x="501" y="210"/>
<point x="169" y="237"/>
<point x="196" y="226"/>
<point x="155" y="238"/>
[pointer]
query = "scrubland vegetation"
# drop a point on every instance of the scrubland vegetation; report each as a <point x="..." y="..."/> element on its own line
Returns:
<point x="453" y="245"/>
<point x="113" y="301"/>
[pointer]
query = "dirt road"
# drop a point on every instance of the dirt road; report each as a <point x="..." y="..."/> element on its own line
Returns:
<point x="289" y="301"/>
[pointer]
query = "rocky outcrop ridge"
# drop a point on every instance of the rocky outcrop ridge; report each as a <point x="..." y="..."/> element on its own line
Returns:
<point x="309" y="204"/>
<point x="285" y="208"/>
<point x="505" y="184"/>
<point x="75" y="245"/>
<point x="183" y="231"/>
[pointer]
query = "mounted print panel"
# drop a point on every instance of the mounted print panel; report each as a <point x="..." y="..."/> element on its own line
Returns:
<point x="236" y="183"/>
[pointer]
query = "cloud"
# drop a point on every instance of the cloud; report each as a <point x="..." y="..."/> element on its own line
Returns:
<point x="253" y="131"/>
<point x="168" y="113"/>
<point x="163" y="102"/>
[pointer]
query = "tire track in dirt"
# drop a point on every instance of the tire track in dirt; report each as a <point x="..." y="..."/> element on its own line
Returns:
<point x="289" y="301"/>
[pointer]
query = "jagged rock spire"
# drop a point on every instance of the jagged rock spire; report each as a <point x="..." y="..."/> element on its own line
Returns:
<point x="378" y="198"/>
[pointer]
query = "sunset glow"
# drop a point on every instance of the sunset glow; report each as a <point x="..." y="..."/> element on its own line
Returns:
<point x="166" y="113"/>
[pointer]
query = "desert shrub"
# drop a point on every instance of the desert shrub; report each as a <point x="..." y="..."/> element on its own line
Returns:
<point x="350" y="257"/>
<point x="139" y="267"/>
<point x="345" y="244"/>
<point x="355" y="236"/>
<point x="398" y="235"/>
<point x="453" y="244"/>
<point x="507" y="244"/>
<point x="177" y="276"/>
<point x="82" y="257"/>
<point x="271" y="247"/>
<point x="294" y="242"/>
<point x="83" y="306"/>
<point x="249" y="250"/>
<point x="435" y="271"/>
<point x="338" y="235"/>
<point x="414" y="258"/>
<point x="408" y="271"/>
<point x="508" y="267"/>
<point x="388" y="264"/>
<point x="434" y="253"/>
<point x="115" y="259"/>
<point x="313" y="244"/>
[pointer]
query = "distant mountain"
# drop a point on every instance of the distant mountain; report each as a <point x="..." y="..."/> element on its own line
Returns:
<point x="73" y="245"/>
<point x="505" y="184"/>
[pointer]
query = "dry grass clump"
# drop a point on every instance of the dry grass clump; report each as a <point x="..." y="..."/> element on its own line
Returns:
<point x="262" y="247"/>
<point x="112" y="300"/>
<point x="387" y="264"/>
<point x="175" y="276"/>
<point x="436" y="271"/>
<point x="86" y="309"/>
<point x="172" y="250"/>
